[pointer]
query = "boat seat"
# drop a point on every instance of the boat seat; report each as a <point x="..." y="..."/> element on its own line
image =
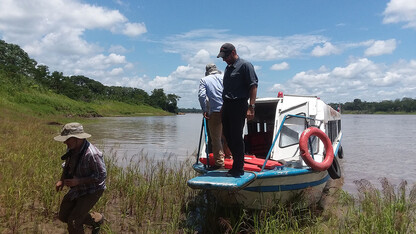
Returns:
<point x="258" y="143"/>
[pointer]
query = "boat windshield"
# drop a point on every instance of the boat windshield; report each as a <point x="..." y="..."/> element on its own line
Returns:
<point x="291" y="131"/>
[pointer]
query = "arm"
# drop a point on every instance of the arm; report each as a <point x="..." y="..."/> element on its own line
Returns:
<point x="202" y="97"/>
<point x="253" y="95"/>
<point x="60" y="184"/>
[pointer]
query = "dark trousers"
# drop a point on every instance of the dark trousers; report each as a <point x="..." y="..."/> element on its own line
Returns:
<point x="233" y="119"/>
<point x="76" y="212"/>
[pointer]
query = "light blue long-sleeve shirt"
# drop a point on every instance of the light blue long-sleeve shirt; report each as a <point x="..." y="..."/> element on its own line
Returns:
<point x="210" y="93"/>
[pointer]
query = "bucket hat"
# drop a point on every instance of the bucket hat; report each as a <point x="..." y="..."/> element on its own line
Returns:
<point x="72" y="130"/>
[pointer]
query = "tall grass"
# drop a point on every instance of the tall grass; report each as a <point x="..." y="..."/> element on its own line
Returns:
<point x="389" y="210"/>
<point x="150" y="196"/>
<point x="146" y="195"/>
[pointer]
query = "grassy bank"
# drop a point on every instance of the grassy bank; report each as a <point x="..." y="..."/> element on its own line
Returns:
<point x="152" y="197"/>
<point x="22" y="95"/>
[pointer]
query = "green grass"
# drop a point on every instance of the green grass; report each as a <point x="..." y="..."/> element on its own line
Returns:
<point x="22" y="96"/>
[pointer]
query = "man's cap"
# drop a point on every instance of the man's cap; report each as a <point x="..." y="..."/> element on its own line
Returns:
<point x="225" y="50"/>
<point x="72" y="130"/>
<point x="211" y="69"/>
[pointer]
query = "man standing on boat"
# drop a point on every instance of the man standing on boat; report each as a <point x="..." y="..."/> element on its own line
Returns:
<point x="240" y="85"/>
<point x="210" y="99"/>
<point x="84" y="172"/>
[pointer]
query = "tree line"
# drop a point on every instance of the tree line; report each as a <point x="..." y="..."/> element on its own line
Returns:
<point x="16" y="63"/>
<point x="404" y="105"/>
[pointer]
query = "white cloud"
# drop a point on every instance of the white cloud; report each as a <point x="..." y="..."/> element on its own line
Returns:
<point x="36" y="19"/>
<point x="134" y="29"/>
<point x="276" y="88"/>
<point x="116" y="71"/>
<point x="355" y="69"/>
<point x="115" y="59"/>
<point x="361" y="78"/>
<point x="401" y="11"/>
<point x="53" y="33"/>
<point x="129" y="66"/>
<point x="280" y="66"/>
<point x="118" y="49"/>
<point x="201" y="58"/>
<point x="381" y="47"/>
<point x="136" y="82"/>
<point x="326" y="49"/>
<point x="310" y="79"/>
<point x="253" y="48"/>
<point x="161" y="81"/>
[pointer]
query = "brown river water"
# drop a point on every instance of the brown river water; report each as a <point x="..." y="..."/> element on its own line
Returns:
<point x="375" y="146"/>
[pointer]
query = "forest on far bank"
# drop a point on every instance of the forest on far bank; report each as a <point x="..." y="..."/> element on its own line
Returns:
<point x="18" y="69"/>
<point x="403" y="106"/>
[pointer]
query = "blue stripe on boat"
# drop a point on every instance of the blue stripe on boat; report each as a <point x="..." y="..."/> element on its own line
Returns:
<point x="287" y="187"/>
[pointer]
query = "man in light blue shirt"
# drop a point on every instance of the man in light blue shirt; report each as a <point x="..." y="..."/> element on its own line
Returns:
<point x="210" y="99"/>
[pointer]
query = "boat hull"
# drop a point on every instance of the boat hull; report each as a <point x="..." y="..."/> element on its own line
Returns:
<point x="264" y="189"/>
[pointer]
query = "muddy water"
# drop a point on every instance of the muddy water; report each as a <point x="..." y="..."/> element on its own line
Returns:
<point x="375" y="146"/>
<point x="156" y="136"/>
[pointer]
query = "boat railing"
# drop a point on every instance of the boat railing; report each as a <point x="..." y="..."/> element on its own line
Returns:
<point x="203" y="131"/>
<point x="277" y="135"/>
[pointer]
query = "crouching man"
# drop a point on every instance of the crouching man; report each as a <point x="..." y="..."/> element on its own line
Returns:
<point x="84" y="173"/>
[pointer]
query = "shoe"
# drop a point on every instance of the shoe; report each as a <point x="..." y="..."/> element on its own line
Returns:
<point x="234" y="174"/>
<point x="98" y="220"/>
<point x="95" y="230"/>
<point x="215" y="167"/>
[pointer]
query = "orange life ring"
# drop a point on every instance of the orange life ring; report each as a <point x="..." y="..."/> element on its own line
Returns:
<point x="304" y="150"/>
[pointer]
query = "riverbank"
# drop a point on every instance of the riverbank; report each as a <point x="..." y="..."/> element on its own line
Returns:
<point x="377" y="113"/>
<point x="152" y="197"/>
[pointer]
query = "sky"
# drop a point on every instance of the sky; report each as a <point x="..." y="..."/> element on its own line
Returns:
<point x="336" y="50"/>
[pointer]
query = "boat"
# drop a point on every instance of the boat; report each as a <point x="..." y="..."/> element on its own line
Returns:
<point x="292" y="147"/>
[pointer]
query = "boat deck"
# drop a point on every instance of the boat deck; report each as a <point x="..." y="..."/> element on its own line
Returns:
<point x="219" y="181"/>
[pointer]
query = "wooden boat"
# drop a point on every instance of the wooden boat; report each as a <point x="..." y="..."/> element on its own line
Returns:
<point x="292" y="148"/>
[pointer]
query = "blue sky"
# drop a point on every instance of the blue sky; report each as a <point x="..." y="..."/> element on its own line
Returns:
<point x="337" y="50"/>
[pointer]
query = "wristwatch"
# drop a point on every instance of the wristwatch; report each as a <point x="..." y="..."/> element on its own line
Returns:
<point x="252" y="105"/>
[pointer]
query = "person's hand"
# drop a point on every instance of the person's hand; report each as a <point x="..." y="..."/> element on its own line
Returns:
<point x="206" y="115"/>
<point x="59" y="186"/>
<point x="72" y="182"/>
<point x="250" y="113"/>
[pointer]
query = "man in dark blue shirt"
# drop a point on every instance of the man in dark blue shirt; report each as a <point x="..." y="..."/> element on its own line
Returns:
<point x="240" y="85"/>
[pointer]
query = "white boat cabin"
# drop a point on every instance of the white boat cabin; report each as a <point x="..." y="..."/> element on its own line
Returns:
<point x="288" y="116"/>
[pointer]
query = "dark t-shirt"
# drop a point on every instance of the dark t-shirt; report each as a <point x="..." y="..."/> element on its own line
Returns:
<point x="238" y="79"/>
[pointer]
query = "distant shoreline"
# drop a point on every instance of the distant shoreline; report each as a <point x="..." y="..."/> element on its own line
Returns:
<point x="377" y="113"/>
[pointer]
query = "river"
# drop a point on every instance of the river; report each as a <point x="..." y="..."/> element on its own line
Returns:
<point x="375" y="146"/>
